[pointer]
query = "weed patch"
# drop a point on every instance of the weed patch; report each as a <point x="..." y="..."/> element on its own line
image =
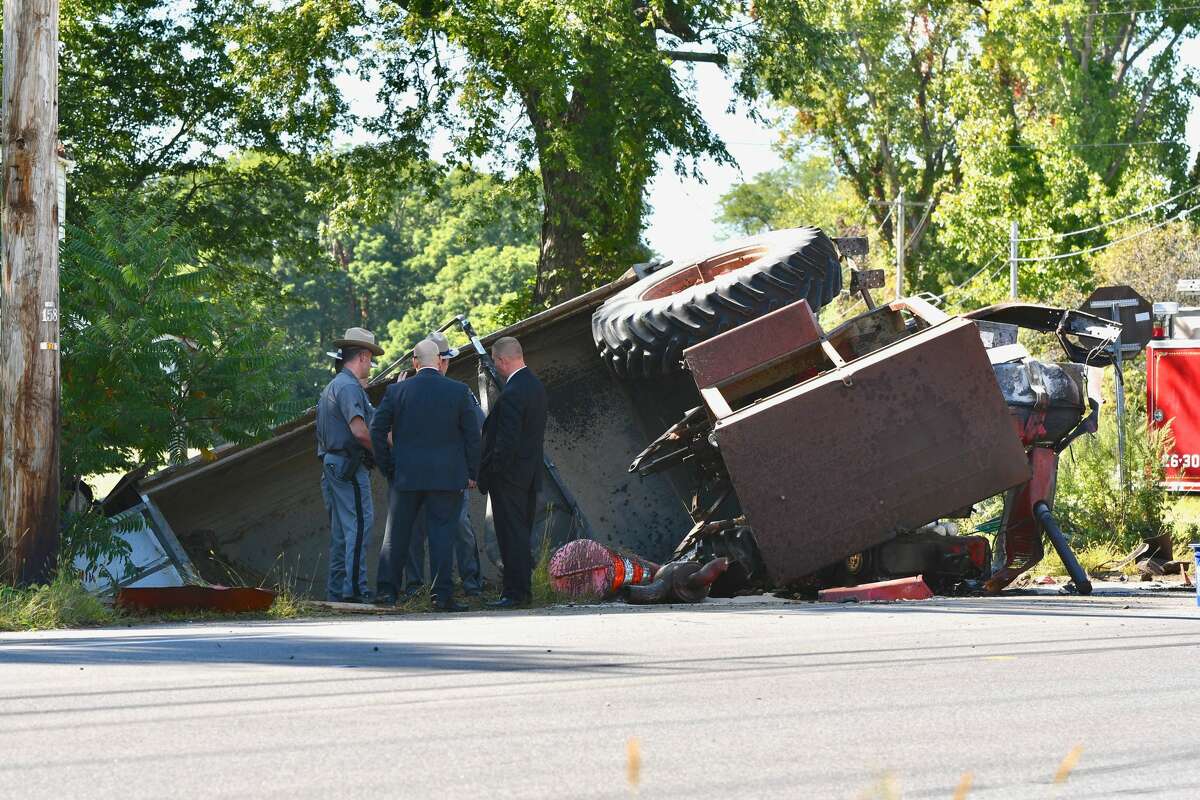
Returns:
<point x="63" y="603"/>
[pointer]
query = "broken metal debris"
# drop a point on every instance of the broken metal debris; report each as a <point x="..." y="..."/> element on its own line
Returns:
<point x="679" y="582"/>
<point x="829" y="456"/>
<point x="913" y="588"/>
<point x="586" y="569"/>
<point x="804" y="459"/>
<point x="195" y="598"/>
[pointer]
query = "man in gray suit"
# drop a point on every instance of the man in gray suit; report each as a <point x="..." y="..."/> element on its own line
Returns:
<point x="435" y="457"/>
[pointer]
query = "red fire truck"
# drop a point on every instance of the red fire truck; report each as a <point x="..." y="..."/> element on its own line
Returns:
<point x="1173" y="386"/>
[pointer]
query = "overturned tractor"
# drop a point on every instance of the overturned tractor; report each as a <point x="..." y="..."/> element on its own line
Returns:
<point x="833" y="459"/>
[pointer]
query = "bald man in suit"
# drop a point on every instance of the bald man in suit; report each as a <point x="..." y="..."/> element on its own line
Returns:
<point x="433" y="458"/>
<point x="511" y="469"/>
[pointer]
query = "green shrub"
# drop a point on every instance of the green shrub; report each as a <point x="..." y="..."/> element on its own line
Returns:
<point x="90" y="538"/>
<point x="1091" y="503"/>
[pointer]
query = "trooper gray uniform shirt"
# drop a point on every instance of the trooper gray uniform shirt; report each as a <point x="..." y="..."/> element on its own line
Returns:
<point x="343" y="400"/>
<point x="345" y="484"/>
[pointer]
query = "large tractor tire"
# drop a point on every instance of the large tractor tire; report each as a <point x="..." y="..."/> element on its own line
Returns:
<point x="643" y="330"/>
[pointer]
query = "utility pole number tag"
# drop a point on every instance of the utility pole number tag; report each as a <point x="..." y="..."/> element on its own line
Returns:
<point x="49" y="312"/>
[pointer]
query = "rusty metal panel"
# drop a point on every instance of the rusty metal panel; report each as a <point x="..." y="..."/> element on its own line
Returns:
<point x="894" y="440"/>
<point x="734" y="352"/>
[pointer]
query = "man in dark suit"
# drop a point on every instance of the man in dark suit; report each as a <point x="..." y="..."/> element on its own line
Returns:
<point x="434" y="457"/>
<point x="511" y="470"/>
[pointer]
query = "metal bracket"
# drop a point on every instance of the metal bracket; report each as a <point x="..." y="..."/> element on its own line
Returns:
<point x="863" y="280"/>
<point x="850" y="246"/>
<point x="839" y="363"/>
<point x="645" y="268"/>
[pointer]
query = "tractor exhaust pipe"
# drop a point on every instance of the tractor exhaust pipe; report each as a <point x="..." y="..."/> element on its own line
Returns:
<point x="1083" y="583"/>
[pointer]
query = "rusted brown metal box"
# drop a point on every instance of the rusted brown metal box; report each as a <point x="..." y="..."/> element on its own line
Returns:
<point x="890" y="440"/>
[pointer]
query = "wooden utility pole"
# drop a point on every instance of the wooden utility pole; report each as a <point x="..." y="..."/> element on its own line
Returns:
<point x="899" y="206"/>
<point x="29" y="368"/>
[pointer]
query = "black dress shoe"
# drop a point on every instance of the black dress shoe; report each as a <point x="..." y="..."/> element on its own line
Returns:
<point x="508" y="602"/>
<point x="385" y="600"/>
<point x="452" y="606"/>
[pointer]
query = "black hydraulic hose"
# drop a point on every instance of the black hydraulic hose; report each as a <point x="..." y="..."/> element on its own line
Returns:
<point x="1083" y="584"/>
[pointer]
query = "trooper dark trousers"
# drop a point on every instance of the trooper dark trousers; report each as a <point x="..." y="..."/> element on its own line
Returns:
<point x="513" y="509"/>
<point x="441" y="511"/>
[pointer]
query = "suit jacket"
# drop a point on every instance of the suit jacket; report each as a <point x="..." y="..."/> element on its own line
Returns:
<point x="435" y="434"/>
<point x="513" y="434"/>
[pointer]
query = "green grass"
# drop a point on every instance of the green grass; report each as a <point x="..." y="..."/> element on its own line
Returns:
<point x="286" y="605"/>
<point x="1186" y="511"/>
<point x="543" y="592"/>
<point x="1096" y="558"/>
<point x="60" y="604"/>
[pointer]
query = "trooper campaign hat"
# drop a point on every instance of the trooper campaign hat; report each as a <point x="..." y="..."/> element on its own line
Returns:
<point x="358" y="337"/>
<point x="444" y="348"/>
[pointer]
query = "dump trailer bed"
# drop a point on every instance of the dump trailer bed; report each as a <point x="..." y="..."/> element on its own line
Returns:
<point x="256" y="511"/>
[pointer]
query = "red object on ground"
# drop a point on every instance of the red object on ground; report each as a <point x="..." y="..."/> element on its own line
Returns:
<point x="585" y="568"/>
<point x="1022" y="533"/>
<point x="913" y="588"/>
<point x="1173" y="396"/>
<point x="195" y="598"/>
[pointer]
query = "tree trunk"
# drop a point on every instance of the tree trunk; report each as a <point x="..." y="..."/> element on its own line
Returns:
<point x="29" y="374"/>
<point x="563" y="260"/>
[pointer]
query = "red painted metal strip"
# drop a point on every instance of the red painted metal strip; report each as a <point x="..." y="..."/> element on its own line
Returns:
<point x="913" y="588"/>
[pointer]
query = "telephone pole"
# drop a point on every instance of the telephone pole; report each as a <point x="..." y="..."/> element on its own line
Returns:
<point x="901" y="243"/>
<point x="29" y="355"/>
<point x="1013" y="237"/>
<point x="899" y="205"/>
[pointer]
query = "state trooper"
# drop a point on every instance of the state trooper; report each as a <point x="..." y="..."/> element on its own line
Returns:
<point x="344" y="415"/>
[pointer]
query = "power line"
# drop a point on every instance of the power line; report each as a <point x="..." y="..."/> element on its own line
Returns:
<point x="1132" y="11"/>
<point x="891" y="207"/>
<point x="1095" y="144"/>
<point x="1102" y="225"/>
<point x="1099" y="247"/>
<point x="958" y="287"/>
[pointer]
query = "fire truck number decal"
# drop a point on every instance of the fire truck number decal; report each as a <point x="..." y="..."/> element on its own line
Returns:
<point x="1182" y="461"/>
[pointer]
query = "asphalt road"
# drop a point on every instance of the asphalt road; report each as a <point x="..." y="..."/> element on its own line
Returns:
<point x="759" y="701"/>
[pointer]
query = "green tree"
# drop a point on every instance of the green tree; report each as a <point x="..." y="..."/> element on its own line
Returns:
<point x="806" y="191"/>
<point x="986" y="113"/>
<point x="1155" y="262"/>
<point x="154" y="95"/>
<point x="872" y="83"/>
<point x="585" y="92"/>
<point x="1074" y="116"/>
<point x="460" y="245"/>
<point x="483" y="284"/>
<point x="158" y="357"/>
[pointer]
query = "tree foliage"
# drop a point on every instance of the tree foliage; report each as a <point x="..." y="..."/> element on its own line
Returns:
<point x="804" y="191"/>
<point x="1155" y="262"/>
<point x="585" y="92"/>
<point x="468" y="243"/>
<point x="157" y="357"/>
<point x="1057" y="115"/>
<point x="155" y="94"/>
<point x="872" y="82"/>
